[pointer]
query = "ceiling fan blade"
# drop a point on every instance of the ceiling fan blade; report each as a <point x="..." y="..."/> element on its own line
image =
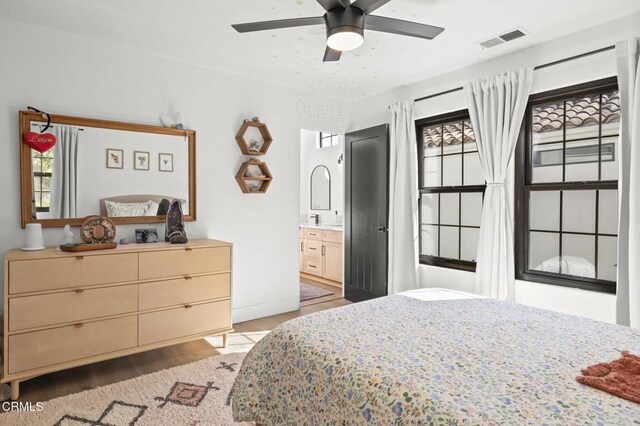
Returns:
<point x="331" y="55"/>
<point x="398" y="26"/>
<point x="368" y="6"/>
<point x="332" y="4"/>
<point x="274" y="25"/>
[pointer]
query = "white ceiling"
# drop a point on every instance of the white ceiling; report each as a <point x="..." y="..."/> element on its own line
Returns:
<point x="199" y="32"/>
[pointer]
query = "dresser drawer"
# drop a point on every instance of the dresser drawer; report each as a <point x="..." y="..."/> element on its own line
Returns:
<point x="313" y="234"/>
<point x="181" y="291"/>
<point x="48" y="347"/>
<point x="49" y="309"/>
<point x="332" y="236"/>
<point x="172" y="263"/>
<point x="313" y="248"/>
<point x="184" y="321"/>
<point x="313" y="265"/>
<point x="66" y="272"/>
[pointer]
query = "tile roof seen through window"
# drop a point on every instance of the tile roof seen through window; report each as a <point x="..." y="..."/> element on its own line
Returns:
<point x="581" y="112"/>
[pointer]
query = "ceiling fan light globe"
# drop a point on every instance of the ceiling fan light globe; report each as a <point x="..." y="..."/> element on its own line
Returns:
<point x="344" y="40"/>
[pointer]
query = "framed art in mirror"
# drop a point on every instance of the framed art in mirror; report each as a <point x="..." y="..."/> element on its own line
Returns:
<point x="108" y="168"/>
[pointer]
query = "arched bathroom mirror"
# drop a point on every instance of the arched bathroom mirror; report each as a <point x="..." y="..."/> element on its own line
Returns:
<point x="320" y="188"/>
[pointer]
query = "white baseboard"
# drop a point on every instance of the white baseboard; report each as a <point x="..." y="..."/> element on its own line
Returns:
<point x="262" y="310"/>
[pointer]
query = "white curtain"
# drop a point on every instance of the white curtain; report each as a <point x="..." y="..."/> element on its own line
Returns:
<point x="496" y="107"/>
<point x="403" y="200"/>
<point x="64" y="173"/>
<point x="628" y="292"/>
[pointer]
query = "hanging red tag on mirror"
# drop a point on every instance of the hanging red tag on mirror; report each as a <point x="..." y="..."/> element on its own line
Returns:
<point x="41" y="142"/>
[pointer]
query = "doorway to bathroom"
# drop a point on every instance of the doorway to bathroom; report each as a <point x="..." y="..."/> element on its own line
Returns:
<point x="321" y="255"/>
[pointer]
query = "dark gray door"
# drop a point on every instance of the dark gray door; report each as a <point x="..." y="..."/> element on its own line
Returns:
<point x="366" y="213"/>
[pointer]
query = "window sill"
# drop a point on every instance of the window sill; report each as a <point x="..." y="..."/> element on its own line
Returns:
<point x="461" y="265"/>
<point x="587" y="284"/>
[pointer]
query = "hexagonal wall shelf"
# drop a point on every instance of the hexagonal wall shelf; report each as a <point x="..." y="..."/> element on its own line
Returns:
<point x="254" y="177"/>
<point x="253" y="145"/>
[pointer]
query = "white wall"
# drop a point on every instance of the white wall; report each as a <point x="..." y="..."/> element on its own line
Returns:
<point x="310" y="158"/>
<point x="65" y="74"/>
<point x="373" y="111"/>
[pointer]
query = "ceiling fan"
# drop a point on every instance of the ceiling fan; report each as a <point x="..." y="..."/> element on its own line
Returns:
<point x="346" y="22"/>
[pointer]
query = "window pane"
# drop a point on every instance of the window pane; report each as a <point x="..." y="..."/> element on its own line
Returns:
<point x="610" y="155"/>
<point x="582" y="161"/>
<point x="579" y="211"/>
<point x="429" y="240"/>
<point x="471" y="208"/>
<point x="547" y="163"/>
<point x="432" y="139"/>
<point x="430" y="208"/>
<point x="544" y="210"/>
<point x="452" y="135"/>
<point x="582" y="117"/>
<point x="432" y="171"/>
<point x="473" y="170"/>
<point x="449" y="240"/>
<point x="607" y="258"/>
<point x="469" y="244"/>
<point x="610" y="113"/>
<point x="452" y="167"/>
<point x="543" y="251"/>
<point x="547" y="122"/>
<point x="45" y="199"/>
<point x="578" y="255"/>
<point x="37" y="183"/>
<point x="449" y="209"/>
<point x="46" y="183"/>
<point x="469" y="137"/>
<point x="608" y="216"/>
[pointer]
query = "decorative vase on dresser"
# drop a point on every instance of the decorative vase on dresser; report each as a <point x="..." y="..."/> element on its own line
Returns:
<point x="63" y="310"/>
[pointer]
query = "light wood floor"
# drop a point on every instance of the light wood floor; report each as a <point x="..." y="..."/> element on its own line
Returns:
<point x="104" y="373"/>
<point x="337" y="293"/>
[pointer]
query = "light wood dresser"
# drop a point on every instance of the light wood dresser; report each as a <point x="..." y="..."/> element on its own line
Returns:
<point x="63" y="310"/>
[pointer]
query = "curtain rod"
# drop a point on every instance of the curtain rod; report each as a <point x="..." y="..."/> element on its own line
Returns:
<point x="539" y="67"/>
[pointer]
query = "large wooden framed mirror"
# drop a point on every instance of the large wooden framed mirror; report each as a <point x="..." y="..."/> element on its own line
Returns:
<point x="109" y="168"/>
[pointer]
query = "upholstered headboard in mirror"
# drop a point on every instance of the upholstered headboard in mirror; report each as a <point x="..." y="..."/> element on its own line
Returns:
<point x="98" y="161"/>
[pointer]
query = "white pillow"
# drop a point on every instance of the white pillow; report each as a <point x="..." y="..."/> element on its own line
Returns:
<point x="115" y="209"/>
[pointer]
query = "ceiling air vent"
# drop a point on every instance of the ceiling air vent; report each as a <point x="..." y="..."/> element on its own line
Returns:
<point x="503" y="38"/>
<point x="512" y="35"/>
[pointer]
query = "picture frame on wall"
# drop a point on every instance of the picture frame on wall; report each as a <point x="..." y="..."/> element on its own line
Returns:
<point x="165" y="162"/>
<point x="141" y="160"/>
<point x="115" y="158"/>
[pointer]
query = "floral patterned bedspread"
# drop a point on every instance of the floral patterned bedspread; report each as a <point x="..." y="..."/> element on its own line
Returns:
<point x="398" y="360"/>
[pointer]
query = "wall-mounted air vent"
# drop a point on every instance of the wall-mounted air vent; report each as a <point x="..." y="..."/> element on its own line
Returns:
<point x="503" y="38"/>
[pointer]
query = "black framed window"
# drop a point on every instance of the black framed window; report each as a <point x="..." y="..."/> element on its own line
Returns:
<point x="451" y="191"/>
<point x="42" y="165"/>
<point x="567" y="187"/>
<point x="327" y="139"/>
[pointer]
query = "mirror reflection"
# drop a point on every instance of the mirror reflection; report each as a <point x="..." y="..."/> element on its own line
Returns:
<point x="111" y="172"/>
<point x="320" y="189"/>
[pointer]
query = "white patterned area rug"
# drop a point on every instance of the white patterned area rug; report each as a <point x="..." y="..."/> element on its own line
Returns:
<point x="193" y="394"/>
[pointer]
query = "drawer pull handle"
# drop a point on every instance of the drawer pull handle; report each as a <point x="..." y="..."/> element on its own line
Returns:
<point x="79" y="291"/>
<point x="187" y="306"/>
<point x="79" y="257"/>
<point x="312" y="248"/>
<point x="79" y="325"/>
<point x="323" y="250"/>
<point x="312" y="266"/>
<point x="188" y="249"/>
<point x="187" y="277"/>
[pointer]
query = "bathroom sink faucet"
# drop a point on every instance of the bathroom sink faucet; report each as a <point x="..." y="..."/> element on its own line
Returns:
<point x="315" y="218"/>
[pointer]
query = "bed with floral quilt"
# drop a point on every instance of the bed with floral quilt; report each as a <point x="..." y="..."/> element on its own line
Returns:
<point x="442" y="360"/>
